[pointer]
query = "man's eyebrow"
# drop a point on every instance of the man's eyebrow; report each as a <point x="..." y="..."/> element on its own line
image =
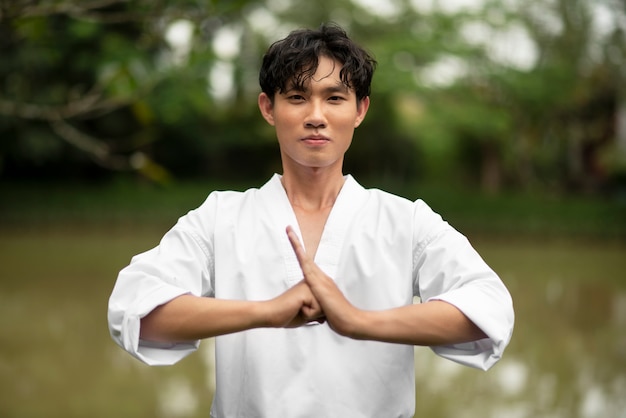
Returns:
<point x="336" y="88"/>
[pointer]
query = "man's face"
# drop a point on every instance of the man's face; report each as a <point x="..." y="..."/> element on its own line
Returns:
<point x="314" y="127"/>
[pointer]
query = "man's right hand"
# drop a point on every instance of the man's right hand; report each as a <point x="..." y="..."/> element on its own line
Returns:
<point x="293" y="308"/>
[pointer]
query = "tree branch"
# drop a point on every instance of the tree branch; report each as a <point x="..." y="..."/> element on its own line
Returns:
<point x="70" y="8"/>
<point x="96" y="148"/>
<point x="85" y="106"/>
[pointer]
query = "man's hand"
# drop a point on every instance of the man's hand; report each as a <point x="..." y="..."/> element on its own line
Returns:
<point x="430" y="323"/>
<point x="339" y="312"/>
<point x="190" y="318"/>
<point x="295" y="307"/>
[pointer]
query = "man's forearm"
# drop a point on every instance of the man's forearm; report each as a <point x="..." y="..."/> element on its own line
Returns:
<point x="427" y="324"/>
<point x="431" y="323"/>
<point x="189" y="318"/>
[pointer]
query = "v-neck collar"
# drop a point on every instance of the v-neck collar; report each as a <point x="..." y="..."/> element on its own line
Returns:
<point x="350" y="198"/>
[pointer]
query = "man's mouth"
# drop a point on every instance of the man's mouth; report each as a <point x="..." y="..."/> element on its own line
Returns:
<point x="316" y="140"/>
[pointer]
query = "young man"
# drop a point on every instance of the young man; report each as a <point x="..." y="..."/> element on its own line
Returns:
<point x="308" y="282"/>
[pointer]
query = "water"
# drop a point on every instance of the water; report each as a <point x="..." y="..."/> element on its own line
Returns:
<point x="567" y="357"/>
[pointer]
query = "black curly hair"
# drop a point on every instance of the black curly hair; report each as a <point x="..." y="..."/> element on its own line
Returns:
<point x="292" y="61"/>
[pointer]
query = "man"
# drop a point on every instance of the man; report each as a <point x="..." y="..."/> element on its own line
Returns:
<point x="308" y="282"/>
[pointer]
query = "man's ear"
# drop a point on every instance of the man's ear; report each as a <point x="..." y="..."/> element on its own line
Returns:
<point x="267" y="108"/>
<point x="361" y="110"/>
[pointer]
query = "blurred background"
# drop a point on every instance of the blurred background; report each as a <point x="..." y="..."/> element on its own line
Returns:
<point x="508" y="117"/>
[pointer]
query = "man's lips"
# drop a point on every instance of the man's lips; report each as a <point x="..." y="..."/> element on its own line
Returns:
<point x="315" y="140"/>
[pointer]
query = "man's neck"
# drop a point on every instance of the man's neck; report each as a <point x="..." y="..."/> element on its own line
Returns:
<point x="313" y="190"/>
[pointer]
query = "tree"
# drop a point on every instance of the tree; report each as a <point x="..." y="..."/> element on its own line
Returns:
<point x="520" y="94"/>
<point x="545" y="121"/>
<point x="85" y="72"/>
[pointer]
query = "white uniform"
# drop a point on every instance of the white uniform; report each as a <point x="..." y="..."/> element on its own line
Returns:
<point x="381" y="250"/>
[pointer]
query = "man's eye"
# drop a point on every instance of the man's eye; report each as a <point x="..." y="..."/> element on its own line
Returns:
<point x="296" y="97"/>
<point x="335" y="98"/>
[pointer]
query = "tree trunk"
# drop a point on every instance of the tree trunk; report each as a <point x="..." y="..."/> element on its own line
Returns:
<point x="491" y="169"/>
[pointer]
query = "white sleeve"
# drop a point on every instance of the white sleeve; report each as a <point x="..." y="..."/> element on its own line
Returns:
<point x="182" y="263"/>
<point x="448" y="268"/>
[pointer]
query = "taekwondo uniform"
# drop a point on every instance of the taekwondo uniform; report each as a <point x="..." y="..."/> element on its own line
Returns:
<point x="381" y="250"/>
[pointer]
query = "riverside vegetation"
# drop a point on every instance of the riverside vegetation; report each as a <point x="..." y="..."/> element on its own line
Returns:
<point x="61" y="247"/>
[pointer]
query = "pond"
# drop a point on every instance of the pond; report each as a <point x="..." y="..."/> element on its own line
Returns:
<point x="567" y="357"/>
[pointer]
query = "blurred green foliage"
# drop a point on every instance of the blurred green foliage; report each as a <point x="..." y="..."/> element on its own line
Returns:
<point x="122" y="205"/>
<point x="500" y="95"/>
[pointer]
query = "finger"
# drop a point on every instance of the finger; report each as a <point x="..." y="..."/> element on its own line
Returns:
<point x="301" y="254"/>
<point x="294" y="240"/>
<point x="312" y="313"/>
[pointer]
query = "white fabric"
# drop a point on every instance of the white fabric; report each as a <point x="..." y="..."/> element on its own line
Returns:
<point x="381" y="250"/>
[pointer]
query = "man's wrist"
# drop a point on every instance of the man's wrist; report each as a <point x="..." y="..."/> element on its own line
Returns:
<point x="262" y="316"/>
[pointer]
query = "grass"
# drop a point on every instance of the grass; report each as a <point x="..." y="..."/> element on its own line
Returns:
<point x="119" y="204"/>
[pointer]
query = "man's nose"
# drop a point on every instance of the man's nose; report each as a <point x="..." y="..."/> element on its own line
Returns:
<point x="316" y="117"/>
